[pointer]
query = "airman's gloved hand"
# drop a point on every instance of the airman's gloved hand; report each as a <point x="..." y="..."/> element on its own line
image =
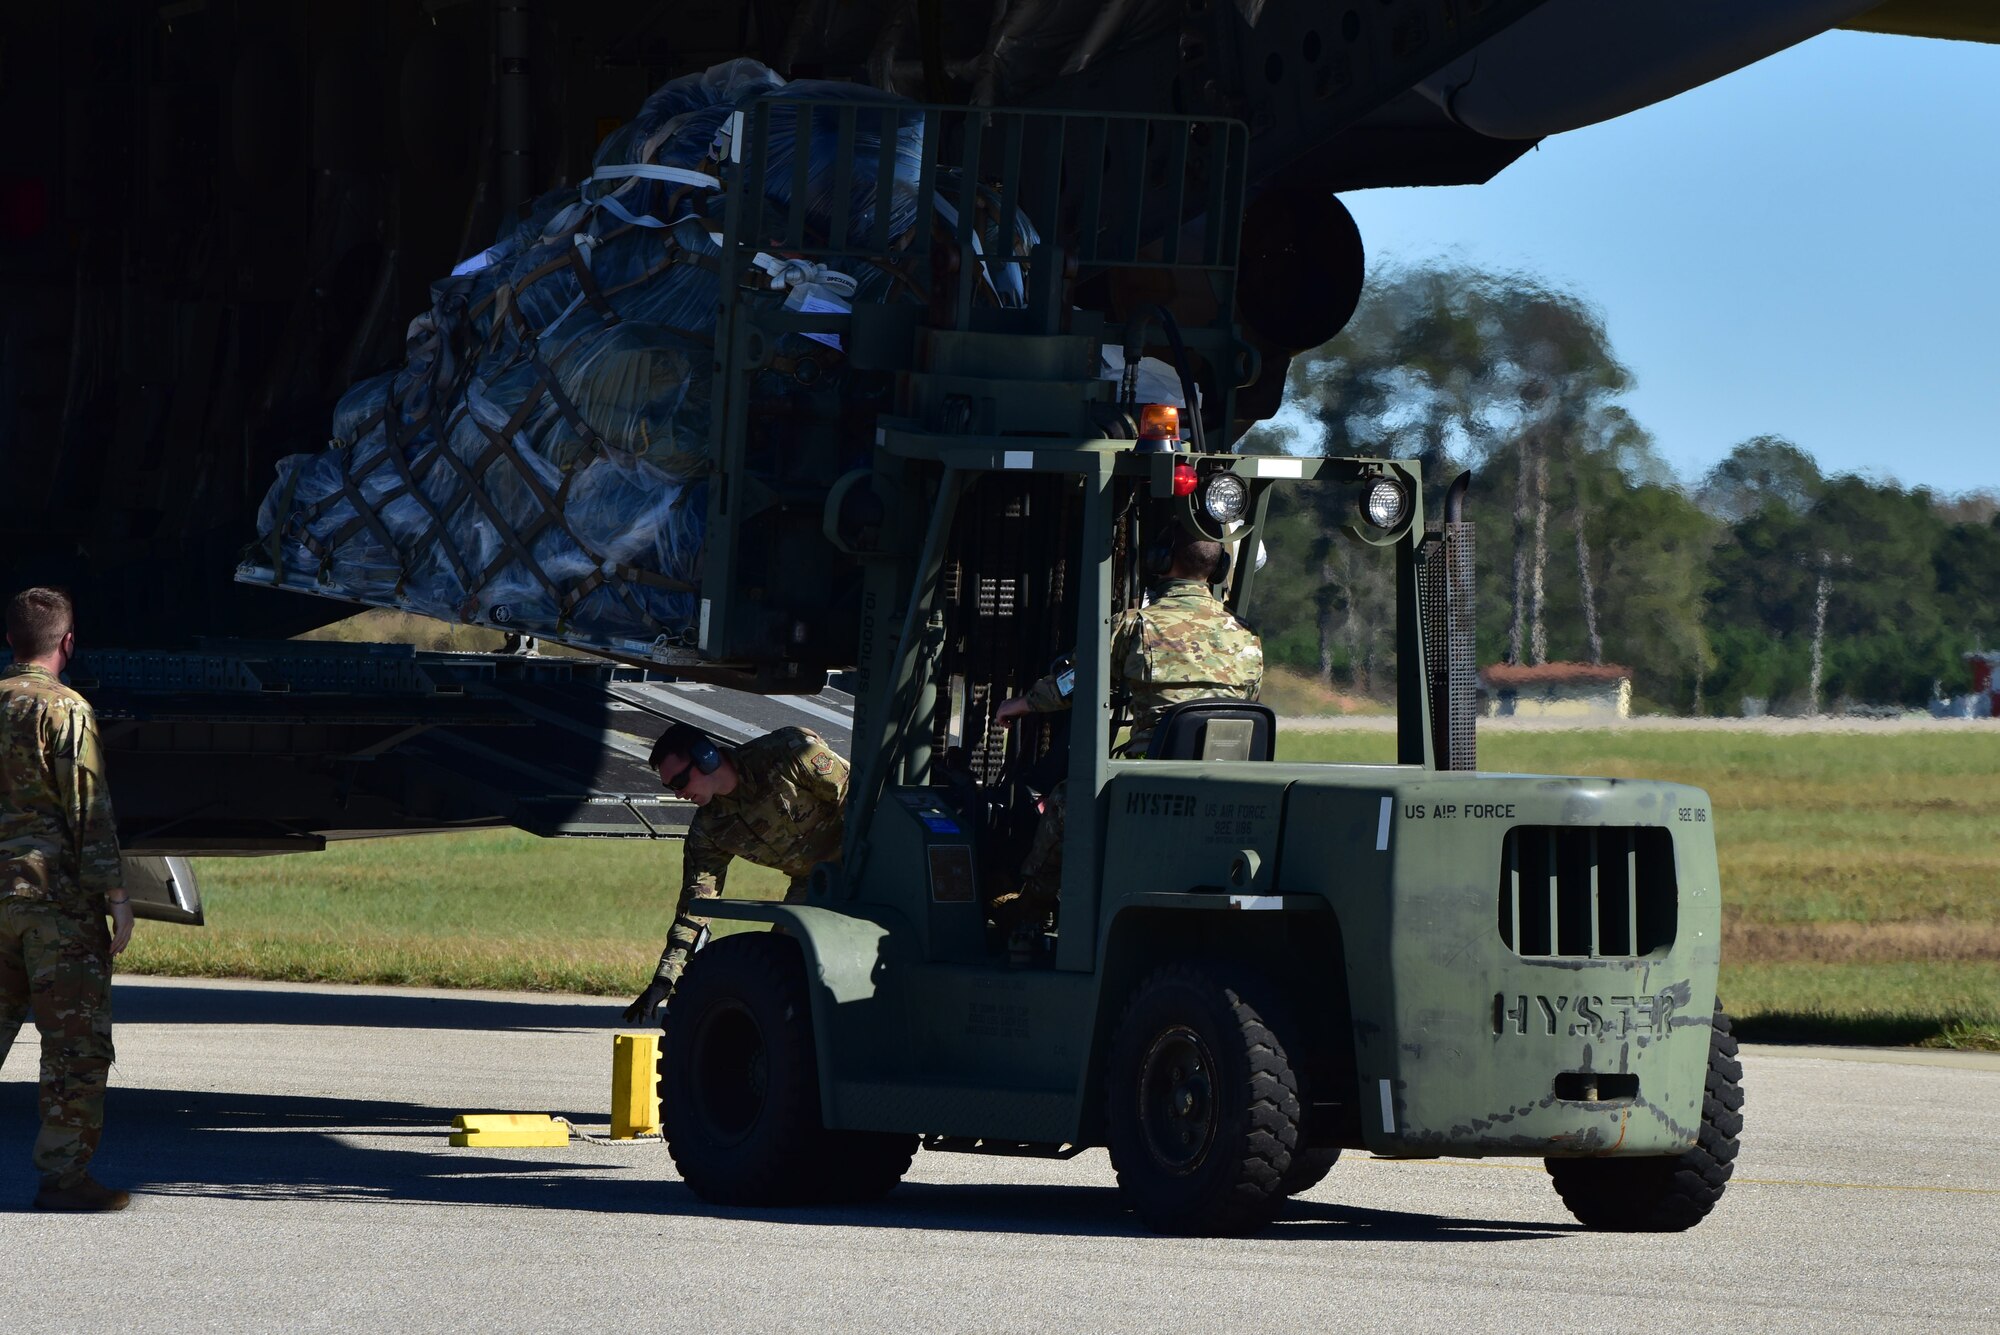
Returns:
<point x="642" y="1010"/>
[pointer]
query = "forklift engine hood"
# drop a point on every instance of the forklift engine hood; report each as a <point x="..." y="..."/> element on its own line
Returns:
<point x="1499" y="933"/>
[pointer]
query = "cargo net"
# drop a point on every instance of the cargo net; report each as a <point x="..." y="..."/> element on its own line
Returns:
<point x="538" y="462"/>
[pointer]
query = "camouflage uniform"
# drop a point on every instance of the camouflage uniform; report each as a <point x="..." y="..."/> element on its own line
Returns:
<point x="58" y="862"/>
<point x="786" y="812"/>
<point x="1183" y="645"/>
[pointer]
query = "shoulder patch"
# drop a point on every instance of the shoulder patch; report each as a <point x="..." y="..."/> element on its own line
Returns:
<point x="822" y="763"/>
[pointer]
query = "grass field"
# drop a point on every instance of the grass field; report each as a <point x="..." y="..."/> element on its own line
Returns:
<point x="486" y="909"/>
<point x="1860" y="875"/>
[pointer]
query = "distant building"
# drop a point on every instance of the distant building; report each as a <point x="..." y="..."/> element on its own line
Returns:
<point x="1985" y="684"/>
<point x="1558" y="690"/>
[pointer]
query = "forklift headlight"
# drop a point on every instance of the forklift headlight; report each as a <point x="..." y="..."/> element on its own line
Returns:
<point x="1224" y="497"/>
<point x="1385" y="504"/>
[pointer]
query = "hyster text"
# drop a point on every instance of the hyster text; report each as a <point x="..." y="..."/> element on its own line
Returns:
<point x="1159" y="804"/>
<point x="1583" y="1016"/>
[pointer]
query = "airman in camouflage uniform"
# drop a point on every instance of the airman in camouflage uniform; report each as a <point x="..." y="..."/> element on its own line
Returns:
<point x="1182" y="645"/>
<point x="59" y="877"/>
<point x="778" y="801"/>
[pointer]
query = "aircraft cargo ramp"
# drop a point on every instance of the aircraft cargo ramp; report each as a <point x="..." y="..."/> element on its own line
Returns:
<point x="245" y="747"/>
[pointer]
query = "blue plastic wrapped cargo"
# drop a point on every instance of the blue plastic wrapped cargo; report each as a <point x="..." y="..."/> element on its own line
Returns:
<point x="538" y="462"/>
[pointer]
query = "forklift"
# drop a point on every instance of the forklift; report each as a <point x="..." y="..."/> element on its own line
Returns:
<point x="1254" y="964"/>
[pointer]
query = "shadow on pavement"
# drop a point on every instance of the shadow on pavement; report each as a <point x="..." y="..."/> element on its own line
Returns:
<point x="288" y="1148"/>
<point x="164" y="1003"/>
<point x="1329" y="1220"/>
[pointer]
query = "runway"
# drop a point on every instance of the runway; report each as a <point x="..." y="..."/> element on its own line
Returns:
<point x="287" y="1145"/>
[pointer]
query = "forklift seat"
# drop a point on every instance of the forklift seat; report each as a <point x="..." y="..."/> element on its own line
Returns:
<point x="1214" y="730"/>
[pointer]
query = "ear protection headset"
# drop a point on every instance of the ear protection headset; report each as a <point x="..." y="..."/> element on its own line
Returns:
<point x="690" y="741"/>
<point x="1165" y="545"/>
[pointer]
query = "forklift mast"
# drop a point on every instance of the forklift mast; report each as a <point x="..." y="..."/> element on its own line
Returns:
<point x="962" y="468"/>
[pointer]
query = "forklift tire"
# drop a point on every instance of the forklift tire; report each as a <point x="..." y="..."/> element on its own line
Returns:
<point x="1202" y="1105"/>
<point x="1667" y="1194"/>
<point x="862" y="1166"/>
<point x="1309" y="1168"/>
<point x="740" y="1098"/>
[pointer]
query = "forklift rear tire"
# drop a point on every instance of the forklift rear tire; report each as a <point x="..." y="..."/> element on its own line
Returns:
<point x="740" y="1098"/>
<point x="1674" y="1193"/>
<point x="1202" y="1105"/>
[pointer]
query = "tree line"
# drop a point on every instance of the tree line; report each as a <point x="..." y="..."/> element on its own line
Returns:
<point x="1764" y="581"/>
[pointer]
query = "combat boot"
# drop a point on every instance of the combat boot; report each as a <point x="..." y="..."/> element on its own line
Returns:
<point x="89" y="1195"/>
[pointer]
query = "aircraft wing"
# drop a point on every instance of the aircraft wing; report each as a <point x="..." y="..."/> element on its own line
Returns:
<point x="1956" y="20"/>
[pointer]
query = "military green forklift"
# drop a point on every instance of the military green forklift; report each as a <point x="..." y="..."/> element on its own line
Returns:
<point x="1255" y="964"/>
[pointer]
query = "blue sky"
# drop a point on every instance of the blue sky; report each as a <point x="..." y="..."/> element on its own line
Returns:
<point x="1810" y="246"/>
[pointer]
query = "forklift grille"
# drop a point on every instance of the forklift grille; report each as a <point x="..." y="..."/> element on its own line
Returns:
<point x="1597" y="892"/>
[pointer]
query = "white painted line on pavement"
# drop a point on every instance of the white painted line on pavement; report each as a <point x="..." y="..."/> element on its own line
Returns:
<point x="807" y="704"/>
<point x="674" y="702"/>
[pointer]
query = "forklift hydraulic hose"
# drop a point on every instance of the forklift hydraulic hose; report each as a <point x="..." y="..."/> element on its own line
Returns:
<point x="1135" y="341"/>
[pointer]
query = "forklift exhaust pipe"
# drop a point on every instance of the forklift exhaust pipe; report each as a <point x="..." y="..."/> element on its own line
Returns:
<point x="1450" y="624"/>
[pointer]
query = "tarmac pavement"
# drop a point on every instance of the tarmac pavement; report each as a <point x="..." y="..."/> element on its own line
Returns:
<point x="287" y="1149"/>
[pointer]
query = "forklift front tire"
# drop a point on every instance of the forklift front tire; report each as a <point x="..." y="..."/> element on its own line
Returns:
<point x="1202" y="1104"/>
<point x="1309" y="1168"/>
<point x="741" y="1096"/>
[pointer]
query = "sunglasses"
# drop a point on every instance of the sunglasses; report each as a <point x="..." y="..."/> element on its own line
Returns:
<point x="680" y="780"/>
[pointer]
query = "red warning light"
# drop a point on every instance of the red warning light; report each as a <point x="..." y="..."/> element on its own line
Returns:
<point x="1185" y="479"/>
